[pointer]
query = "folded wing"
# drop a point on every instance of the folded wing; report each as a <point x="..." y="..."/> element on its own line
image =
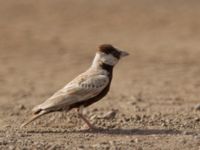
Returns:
<point x="81" y="88"/>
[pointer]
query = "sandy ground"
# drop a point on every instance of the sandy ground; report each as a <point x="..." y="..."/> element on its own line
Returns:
<point x="155" y="91"/>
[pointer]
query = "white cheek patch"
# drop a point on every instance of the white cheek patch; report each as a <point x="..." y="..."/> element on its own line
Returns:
<point x="110" y="59"/>
<point x="104" y="58"/>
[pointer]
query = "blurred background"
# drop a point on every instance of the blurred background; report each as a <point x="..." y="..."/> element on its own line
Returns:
<point x="46" y="43"/>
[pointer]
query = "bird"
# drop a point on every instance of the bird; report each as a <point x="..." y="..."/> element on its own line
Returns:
<point x="84" y="90"/>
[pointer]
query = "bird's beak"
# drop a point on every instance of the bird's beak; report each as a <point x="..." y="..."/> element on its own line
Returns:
<point x="123" y="53"/>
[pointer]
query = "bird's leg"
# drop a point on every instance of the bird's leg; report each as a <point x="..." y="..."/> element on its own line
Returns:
<point x="80" y="114"/>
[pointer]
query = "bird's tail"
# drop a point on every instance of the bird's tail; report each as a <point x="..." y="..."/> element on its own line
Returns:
<point x="34" y="117"/>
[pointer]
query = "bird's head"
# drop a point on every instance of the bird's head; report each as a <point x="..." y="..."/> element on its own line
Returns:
<point x="109" y="55"/>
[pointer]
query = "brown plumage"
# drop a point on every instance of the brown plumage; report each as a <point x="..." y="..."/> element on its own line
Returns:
<point x="84" y="90"/>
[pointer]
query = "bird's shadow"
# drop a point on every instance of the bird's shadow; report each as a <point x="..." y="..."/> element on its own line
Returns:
<point x="117" y="131"/>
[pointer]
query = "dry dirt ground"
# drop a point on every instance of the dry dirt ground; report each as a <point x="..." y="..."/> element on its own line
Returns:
<point x="153" y="102"/>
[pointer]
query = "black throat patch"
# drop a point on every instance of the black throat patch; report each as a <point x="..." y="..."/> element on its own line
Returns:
<point x="108" y="68"/>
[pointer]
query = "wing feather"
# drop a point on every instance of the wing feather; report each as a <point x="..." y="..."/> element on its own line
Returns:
<point x="81" y="88"/>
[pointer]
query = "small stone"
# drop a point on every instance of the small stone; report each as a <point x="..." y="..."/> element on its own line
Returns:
<point x="94" y="109"/>
<point x="53" y="147"/>
<point x="139" y="97"/>
<point x="22" y="107"/>
<point x="81" y="147"/>
<point x="11" y="147"/>
<point x="163" y="124"/>
<point x="197" y="119"/>
<point x="133" y="98"/>
<point x="186" y="133"/>
<point x="127" y="119"/>
<point x="137" y="117"/>
<point x="103" y="143"/>
<point x="197" y="107"/>
<point x="14" y="114"/>
<point x="98" y="145"/>
<point x="112" y="142"/>
<point x="109" y="115"/>
<point x="136" y="140"/>
<point x="3" y="143"/>
<point x="183" y="141"/>
<point x="93" y="117"/>
<point x="139" y="148"/>
<point x="85" y="112"/>
<point x="132" y="101"/>
<point x="197" y="137"/>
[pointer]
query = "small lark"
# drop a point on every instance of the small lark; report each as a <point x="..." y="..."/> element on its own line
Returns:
<point x="86" y="89"/>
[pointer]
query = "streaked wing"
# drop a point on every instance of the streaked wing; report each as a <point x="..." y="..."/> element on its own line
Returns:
<point x="81" y="88"/>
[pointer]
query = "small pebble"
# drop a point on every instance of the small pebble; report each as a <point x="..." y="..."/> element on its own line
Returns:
<point x="137" y="117"/>
<point x="109" y="115"/>
<point x="96" y="145"/>
<point x="197" y="107"/>
<point x="22" y="107"/>
<point x="136" y="140"/>
<point x="186" y="133"/>
<point x="11" y="147"/>
<point x="197" y="119"/>
<point x="93" y="117"/>
<point x="197" y="137"/>
<point x="139" y="148"/>
<point x="81" y="147"/>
